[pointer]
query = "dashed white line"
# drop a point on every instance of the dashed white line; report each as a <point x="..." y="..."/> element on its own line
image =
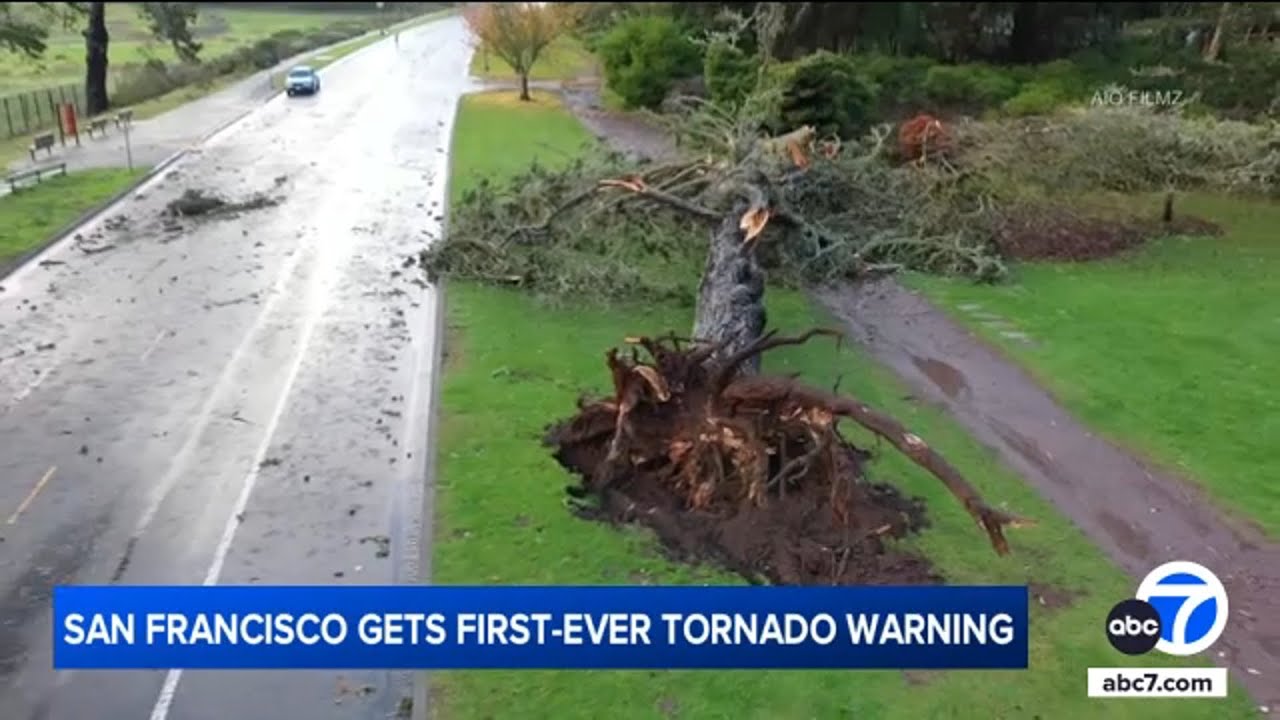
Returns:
<point x="154" y="344"/>
<point x="31" y="496"/>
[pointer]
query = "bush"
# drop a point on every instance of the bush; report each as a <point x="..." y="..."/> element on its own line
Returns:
<point x="644" y="55"/>
<point x="899" y="81"/>
<point x="138" y="83"/>
<point x="825" y="91"/>
<point x="972" y="85"/>
<point x="1036" y="98"/>
<point x="730" y="74"/>
<point x="1248" y="84"/>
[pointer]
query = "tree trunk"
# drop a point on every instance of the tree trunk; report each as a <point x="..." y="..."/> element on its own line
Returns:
<point x="1022" y="39"/>
<point x="1215" y="42"/>
<point x="730" y="307"/>
<point x="524" y="86"/>
<point x="95" y="61"/>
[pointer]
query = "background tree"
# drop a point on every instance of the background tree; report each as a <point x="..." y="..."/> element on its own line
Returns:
<point x="519" y="32"/>
<point x="96" y="39"/>
<point x="24" y="27"/>
<point x="171" y="22"/>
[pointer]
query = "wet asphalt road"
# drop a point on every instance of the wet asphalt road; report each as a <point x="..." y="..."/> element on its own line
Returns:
<point x="237" y="398"/>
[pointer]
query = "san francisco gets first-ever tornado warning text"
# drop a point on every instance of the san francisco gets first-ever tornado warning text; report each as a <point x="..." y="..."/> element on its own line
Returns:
<point x="487" y="629"/>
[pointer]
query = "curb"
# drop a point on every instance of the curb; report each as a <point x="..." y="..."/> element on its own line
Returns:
<point x="9" y="268"/>
<point x="421" y="708"/>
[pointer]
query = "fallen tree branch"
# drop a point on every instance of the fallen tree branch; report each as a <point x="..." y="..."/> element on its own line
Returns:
<point x="749" y="390"/>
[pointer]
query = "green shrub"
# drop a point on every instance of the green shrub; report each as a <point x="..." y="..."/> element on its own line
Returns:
<point x="644" y="55"/>
<point x="824" y="90"/>
<point x="730" y="74"/>
<point x="1036" y="98"/>
<point x="141" y="82"/>
<point x="1248" y="82"/>
<point x="972" y="85"/>
<point x="899" y="81"/>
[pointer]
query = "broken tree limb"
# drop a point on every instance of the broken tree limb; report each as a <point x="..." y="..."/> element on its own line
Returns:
<point x="747" y="391"/>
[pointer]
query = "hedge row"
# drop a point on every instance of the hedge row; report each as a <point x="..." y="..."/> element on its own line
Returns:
<point x="155" y="78"/>
<point x="645" y="56"/>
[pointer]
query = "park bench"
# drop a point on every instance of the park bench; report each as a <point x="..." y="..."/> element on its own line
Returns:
<point x="98" y="125"/>
<point x="43" y="141"/>
<point x="36" y="173"/>
<point x="123" y="118"/>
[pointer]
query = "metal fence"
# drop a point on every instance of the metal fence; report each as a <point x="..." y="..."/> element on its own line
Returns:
<point x="36" y="110"/>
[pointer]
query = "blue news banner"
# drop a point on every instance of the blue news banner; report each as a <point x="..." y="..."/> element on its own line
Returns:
<point x="451" y="627"/>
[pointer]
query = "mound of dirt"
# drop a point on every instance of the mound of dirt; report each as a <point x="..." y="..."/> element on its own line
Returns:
<point x="1064" y="235"/>
<point x="749" y="472"/>
<point x="196" y="203"/>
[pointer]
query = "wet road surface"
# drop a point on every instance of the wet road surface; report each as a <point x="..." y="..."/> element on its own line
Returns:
<point x="238" y="397"/>
<point x="1139" y="515"/>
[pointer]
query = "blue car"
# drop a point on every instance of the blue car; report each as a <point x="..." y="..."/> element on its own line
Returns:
<point x="301" y="80"/>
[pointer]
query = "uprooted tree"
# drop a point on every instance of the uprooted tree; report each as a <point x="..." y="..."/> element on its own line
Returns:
<point x="695" y="431"/>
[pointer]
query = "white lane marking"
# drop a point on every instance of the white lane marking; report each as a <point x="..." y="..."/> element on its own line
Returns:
<point x="154" y="344"/>
<point x="178" y="466"/>
<point x="31" y="496"/>
<point x="317" y="303"/>
<point x="31" y="387"/>
<point x="160" y="711"/>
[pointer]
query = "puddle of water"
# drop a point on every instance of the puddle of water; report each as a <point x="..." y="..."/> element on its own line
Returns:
<point x="948" y="379"/>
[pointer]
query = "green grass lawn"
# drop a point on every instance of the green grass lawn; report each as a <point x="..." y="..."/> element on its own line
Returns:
<point x="220" y="29"/>
<point x="564" y="59"/>
<point x="514" y="365"/>
<point x="31" y="215"/>
<point x="1171" y="351"/>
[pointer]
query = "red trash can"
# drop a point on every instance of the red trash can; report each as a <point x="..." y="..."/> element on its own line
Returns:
<point x="69" y="119"/>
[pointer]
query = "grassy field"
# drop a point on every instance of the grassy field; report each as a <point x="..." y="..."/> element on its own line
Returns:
<point x="1171" y="351"/>
<point x="31" y="215"/>
<point x="513" y="366"/>
<point x="220" y="29"/>
<point x="564" y="59"/>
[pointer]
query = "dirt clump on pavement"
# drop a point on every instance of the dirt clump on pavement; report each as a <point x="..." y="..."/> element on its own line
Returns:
<point x="198" y="203"/>
<point x="749" y="471"/>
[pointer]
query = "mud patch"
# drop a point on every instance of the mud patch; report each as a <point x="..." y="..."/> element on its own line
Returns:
<point x="916" y="678"/>
<point x="195" y="203"/>
<point x="747" y="472"/>
<point x="1055" y="233"/>
<point x="1051" y="597"/>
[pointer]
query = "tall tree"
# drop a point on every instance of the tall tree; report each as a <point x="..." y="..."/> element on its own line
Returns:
<point x="24" y="27"/>
<point x="519" y="32"/>
<point x="171" y="22"/>
<point x="96" y="39"/>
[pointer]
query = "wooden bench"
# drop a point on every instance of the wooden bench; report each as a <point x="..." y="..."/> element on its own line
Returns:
<point x="45" y="142"/>
<point x="98" y="125"/>
<point x="36" y="173"/>
<point x="123" y="118"/>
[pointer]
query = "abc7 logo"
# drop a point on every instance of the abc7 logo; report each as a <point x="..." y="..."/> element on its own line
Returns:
<point x="1180" y="609"/>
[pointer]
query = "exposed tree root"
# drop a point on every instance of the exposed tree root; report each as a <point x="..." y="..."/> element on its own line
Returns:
<point x="686" y="436"/>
